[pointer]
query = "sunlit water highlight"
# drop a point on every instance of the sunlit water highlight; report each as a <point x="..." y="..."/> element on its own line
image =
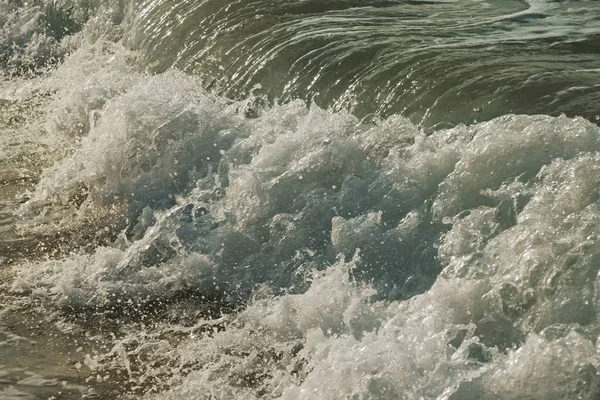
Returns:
<point x="331" y="200"/>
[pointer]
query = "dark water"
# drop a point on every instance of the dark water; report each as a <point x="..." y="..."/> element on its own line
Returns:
<point x="434" y="62"/>
<point x="307" y="199"/>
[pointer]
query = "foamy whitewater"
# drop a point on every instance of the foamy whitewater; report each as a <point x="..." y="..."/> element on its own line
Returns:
<point x="351" y="199"/>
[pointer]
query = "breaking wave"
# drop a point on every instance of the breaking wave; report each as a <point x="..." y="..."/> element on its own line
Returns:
<point x="279" y="241"/>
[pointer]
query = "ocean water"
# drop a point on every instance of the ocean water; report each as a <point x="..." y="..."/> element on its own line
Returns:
<point x="309" y="199"/>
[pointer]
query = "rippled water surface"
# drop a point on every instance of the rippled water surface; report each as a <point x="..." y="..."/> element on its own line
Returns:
<point x="436" y="62"/>
<point x="300" y="199"/>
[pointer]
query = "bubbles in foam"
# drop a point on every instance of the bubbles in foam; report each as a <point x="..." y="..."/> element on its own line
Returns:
<point x="457" y="265"/>
<point x="37" y="35"/>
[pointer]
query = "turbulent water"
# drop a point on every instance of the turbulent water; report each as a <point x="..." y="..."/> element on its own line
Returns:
<point x="307" y="199"/>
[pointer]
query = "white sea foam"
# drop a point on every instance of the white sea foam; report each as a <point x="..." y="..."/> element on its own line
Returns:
<point x="38" y="34"/>
<point x="373" y="261"/>
<point x="506" y="209"/>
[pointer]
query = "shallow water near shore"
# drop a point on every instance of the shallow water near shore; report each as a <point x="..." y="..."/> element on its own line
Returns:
<point x="334" y="200"/>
